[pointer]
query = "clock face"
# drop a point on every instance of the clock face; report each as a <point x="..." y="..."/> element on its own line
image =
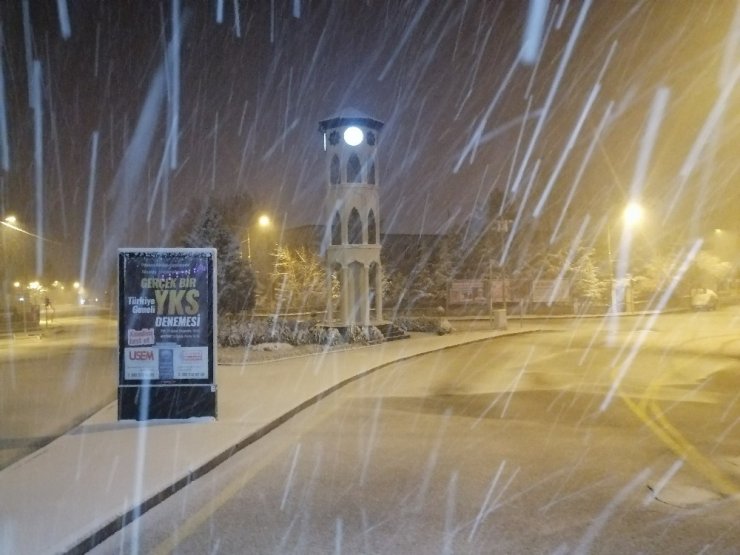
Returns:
<point x="353" y="136"/>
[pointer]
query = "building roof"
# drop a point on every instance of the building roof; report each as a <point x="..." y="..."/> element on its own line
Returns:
<point x="349" y="116"/>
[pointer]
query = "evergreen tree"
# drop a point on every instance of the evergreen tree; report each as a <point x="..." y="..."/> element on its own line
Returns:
<point x="443" y="264"/>
<point x="236" y="280"/>
<point x="586" y="282"/>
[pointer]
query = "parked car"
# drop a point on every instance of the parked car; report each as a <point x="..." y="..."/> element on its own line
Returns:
<point x="703" y="299"/>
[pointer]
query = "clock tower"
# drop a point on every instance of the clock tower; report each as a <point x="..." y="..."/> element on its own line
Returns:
<point x="352" y="219"/>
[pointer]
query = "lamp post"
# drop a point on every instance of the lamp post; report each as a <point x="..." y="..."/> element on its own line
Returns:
<point x="632" y="216"/>
<point x="263" y="222"/>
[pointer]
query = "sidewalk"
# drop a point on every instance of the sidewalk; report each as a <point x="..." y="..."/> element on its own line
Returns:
<point x="84" y="486"/>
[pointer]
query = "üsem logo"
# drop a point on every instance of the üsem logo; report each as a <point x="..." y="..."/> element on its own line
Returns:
<point x="147" y="354"/>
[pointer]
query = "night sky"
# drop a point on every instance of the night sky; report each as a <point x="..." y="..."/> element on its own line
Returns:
<point x="444" y="76"/>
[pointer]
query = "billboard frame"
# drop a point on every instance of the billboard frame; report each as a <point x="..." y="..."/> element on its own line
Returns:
<point x="167" y="333"/>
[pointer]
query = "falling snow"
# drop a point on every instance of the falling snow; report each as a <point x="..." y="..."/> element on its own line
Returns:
<point x="511" y="138"/>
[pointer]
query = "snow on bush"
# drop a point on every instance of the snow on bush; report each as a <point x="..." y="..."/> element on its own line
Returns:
<point x="326" y="336"/>
<point x="444" y="327"/>
<point x="421" y="323"/>
<point x="273" y="347"/>
<point x="363" y="335"/>
<point x="235" y="331"/>
<point x="332" y="336"/>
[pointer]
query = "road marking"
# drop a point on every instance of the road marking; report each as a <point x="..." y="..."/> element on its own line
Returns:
<point x="718" y="478"/>
<point x="683" y="448"/>
<point x="675" y="441"/>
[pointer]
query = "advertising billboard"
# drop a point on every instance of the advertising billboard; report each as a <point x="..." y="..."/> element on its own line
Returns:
<point x="167" y="335"/>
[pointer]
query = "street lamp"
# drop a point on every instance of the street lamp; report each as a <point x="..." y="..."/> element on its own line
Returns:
<point x="11" y="222"/>
<point x="263" y="222"/>
<point x="632" y="216"/>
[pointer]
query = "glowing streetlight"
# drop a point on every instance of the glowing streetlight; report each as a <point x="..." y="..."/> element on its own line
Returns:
<point x="633" y="214"/>
<point x="11" y="222"/>
<point x="263" y="222"/>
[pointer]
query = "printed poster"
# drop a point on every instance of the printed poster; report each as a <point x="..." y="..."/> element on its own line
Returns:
<point x="167" y="315"/>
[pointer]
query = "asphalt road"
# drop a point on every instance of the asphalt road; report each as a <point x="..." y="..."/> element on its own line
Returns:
<point x="595" y="438"/>
<point x="53" y="380"/>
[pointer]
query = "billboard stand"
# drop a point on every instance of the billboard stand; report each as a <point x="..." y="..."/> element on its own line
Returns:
<point x="166" y="333"/>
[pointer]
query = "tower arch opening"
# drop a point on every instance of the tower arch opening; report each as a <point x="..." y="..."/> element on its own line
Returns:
<point x="354" y="169"/>
<point x="335" y="177"/>
<point x="372" y="229"/>
<point x="336" y="229"/>
<point x="354" y="228"/>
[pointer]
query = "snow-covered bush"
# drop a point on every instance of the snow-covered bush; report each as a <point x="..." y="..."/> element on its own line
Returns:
<point x="333" y="337"/>
<point x="228" y="335"/>
<point x="236" y="331"/>
<point x="420" y="323"/>
<point x="325" y="336"/>
<point x="302" y="333"/>
<point x="363" y="334"/>
<point x="444" y="327"/>
<point x="374" y="334"/>
<point x="264" y="331"/>
<point x="354" y="334"/>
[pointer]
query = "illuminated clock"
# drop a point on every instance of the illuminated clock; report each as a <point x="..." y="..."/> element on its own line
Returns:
<point x="353" y="136"/>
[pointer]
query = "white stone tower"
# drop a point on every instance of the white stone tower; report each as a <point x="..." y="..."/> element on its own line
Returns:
<point x="352" y="219"/>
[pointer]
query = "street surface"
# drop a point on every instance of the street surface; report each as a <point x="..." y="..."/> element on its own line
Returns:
<point x="599" y="437"/>
<point x="54" y="379"/>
